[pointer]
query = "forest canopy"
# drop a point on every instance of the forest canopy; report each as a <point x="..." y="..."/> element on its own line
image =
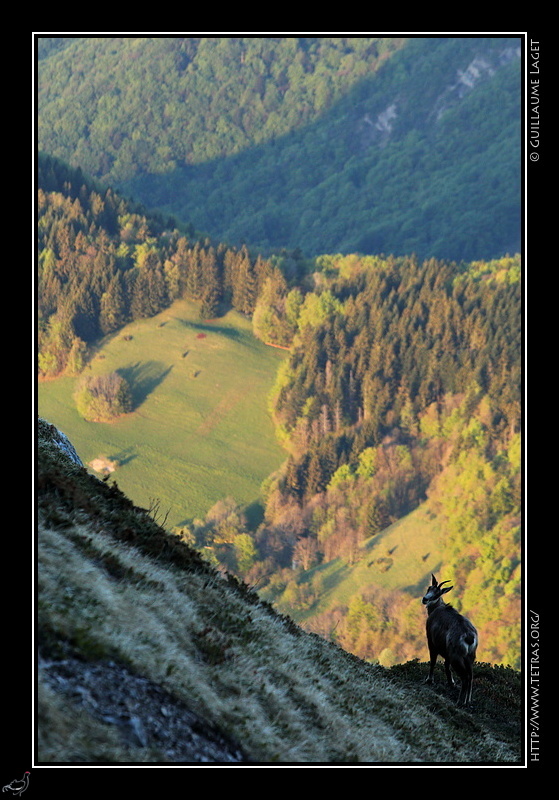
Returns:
<point x="323" y="144"/>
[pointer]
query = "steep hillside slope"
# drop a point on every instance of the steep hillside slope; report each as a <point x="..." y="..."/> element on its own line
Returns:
<point x="147" y="655"/>
<point x="325" y="144"/>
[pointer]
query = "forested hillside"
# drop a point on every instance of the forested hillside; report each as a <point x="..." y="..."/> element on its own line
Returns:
<point x="350" y="144"/>
<point x="402" y="388"/>
<point x="47" y="45"/>
<point x="104" y="261"/>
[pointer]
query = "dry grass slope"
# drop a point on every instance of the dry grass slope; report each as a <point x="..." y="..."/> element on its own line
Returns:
<point x="148" y="655"/>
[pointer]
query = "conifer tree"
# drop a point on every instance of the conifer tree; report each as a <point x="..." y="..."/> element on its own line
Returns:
<point x="377" y="516"/>
<point x="194" y="278"/>
<point x="140" y="305"/>
<point x="211" y="284"/>
<point x="112" y="312"/>
<point x="245" y="286"/>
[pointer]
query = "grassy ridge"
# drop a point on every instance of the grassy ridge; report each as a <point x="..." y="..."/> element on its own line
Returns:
<point x="199" y="430"/>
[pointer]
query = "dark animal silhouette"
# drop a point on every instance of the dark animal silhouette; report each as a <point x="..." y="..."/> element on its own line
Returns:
<point x="451" y="636"/>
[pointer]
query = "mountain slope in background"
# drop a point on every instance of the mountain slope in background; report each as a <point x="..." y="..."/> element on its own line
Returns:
<point x="402" y="384"/>
<point x="323" y="144"/>
<point x="147" y="655"/>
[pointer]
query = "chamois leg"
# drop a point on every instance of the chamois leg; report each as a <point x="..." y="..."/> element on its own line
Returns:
<point x="467" y="684"/>
<point x="466" y="679"/>
<point x="449" y="678"/>
<point x="433" y="661"/>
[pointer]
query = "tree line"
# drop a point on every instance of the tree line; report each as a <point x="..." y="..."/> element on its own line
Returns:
<point x="104" y="261"/>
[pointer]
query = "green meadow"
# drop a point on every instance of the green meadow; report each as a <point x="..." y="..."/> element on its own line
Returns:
<point x="388" y="561"/>
<point x="410" y="541"/>
<point x="200" y="429"/>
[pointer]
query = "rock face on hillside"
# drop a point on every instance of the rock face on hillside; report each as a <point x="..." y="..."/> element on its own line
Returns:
<point x="482" y="67"/>
<point x="147" y="655"/>
<point x="139" y="712"/>
<point x="59" y="440"/>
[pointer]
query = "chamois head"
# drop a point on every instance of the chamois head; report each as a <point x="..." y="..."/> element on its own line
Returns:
<point x="434" y="591"/>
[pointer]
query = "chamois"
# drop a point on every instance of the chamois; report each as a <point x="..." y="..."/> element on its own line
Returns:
<point x="451" y="636"/>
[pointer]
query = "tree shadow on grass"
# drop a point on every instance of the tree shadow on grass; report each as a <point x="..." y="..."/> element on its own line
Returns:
<point x="208" y="328"/>
<point x="124" y="456"/>
<point x="335" y="577"/>
<point x="144" y="377"/>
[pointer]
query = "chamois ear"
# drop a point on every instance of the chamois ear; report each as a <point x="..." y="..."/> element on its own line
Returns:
<point x="446" y="589"/>
<point x="434" y="581"/>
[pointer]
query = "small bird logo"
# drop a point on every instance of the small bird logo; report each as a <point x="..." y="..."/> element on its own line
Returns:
<point x="17" y="787"/>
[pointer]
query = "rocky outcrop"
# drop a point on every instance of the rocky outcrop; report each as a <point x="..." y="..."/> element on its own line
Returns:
<point x="481" y="68"/>
<point x="140" y="711"/>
